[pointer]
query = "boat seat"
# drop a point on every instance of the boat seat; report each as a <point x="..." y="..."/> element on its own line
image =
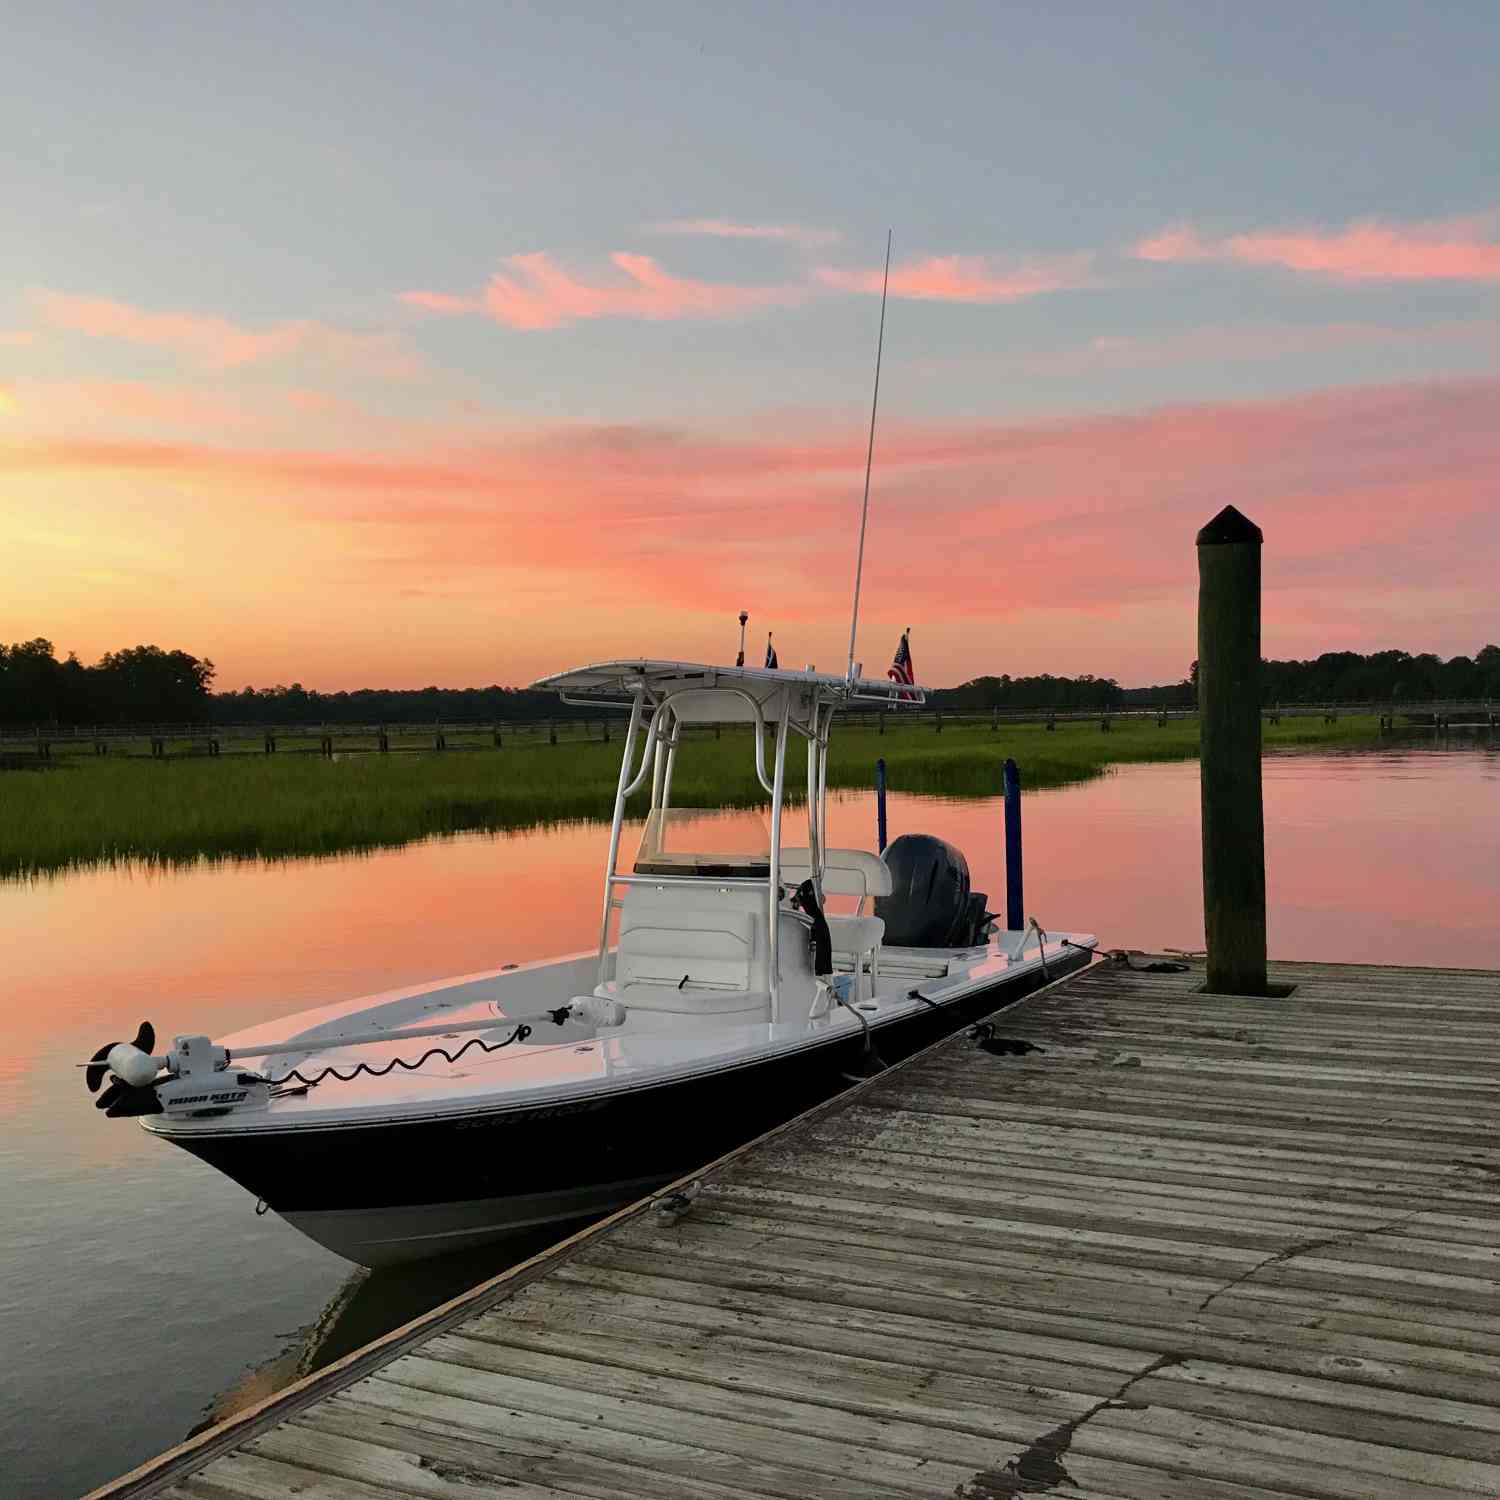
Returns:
<point x="846" y="872"/>
<point x="849" y="872"/>
<point x="857" y="935"/>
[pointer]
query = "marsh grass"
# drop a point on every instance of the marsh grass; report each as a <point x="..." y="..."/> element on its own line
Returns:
<point x="172" y="812"/>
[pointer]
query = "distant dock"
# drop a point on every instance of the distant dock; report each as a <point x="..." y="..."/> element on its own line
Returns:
<point x="1154" y="1245"/>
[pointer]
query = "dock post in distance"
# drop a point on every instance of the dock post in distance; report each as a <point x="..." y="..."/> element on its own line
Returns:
<point x="880" y="805"/>
<point x="1234" y="841"/>
<point x="1015" y="895"/>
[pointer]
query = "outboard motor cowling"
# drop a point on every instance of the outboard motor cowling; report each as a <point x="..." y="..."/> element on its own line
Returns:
<point x="930" y="905"/>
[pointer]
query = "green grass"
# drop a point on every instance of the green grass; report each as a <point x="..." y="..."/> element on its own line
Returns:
<point x="91" y="811"/>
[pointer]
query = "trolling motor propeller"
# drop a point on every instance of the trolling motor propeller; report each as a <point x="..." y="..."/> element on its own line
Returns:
<point x="132" y="1069"/>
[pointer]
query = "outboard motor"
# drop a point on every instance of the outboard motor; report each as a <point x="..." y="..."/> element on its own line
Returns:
<point x="931" y="905"/>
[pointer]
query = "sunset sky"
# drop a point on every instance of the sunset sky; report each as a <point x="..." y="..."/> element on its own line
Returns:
<point x="388" y="345"/>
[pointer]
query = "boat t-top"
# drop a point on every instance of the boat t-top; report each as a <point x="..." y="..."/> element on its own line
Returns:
<point x="738" y="977"/>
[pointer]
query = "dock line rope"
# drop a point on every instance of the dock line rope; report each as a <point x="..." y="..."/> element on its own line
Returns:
<point x="518" y="1035"/>
<point x="1121" y="956"/>
<point x="870" y="1059"/>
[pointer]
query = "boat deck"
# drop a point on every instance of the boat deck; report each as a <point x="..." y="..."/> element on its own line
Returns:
<point x="1158" y="1246"/>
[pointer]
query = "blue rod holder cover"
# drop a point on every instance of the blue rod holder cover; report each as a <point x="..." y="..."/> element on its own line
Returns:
<point x="1015" y="902"/>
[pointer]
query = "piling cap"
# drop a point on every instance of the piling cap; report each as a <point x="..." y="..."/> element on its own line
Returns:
<point x="1227" y="527"/>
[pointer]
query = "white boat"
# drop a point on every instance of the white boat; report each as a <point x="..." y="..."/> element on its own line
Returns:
<point x="723" y="994"/>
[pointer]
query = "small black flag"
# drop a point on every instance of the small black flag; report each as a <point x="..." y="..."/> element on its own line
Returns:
<point x="771" y="662"/>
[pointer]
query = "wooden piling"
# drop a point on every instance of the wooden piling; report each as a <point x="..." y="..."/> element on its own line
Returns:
<point x="1234" y="851"/>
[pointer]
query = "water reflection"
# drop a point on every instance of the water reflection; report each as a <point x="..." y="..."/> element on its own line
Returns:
<point x="368" y="1305"/>
<point x="114" y="1245"/>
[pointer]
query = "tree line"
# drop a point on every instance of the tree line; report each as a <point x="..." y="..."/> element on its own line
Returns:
<point x="142" y="684"/>
<point x="1348" y="677"/>
<point x="1045" y="691"/>
<point x="148" y="685"/>
<point x="430" y="705"/>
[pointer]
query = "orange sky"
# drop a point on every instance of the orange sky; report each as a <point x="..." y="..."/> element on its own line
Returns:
<point x="460" y="556"/>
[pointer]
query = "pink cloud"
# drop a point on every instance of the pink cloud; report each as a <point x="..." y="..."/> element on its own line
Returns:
<point x="1370" y="498"/>
<point x="219" y="344"/>
<point x="725" y="229"/>
<point x="438" y="302"/>
<point x="17" y="338"/>
<point x="1458" y="249"/>
<point x="968" y="278"/>
<point x="533" y="292"/>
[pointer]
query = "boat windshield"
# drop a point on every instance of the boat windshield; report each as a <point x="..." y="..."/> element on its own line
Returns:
<point x="729" y="843"/>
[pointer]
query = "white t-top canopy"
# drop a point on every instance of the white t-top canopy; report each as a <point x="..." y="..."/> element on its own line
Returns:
<point x="707" y="694"/>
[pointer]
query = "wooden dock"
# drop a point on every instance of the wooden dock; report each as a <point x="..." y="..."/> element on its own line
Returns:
<point x="1192" y="1248"/>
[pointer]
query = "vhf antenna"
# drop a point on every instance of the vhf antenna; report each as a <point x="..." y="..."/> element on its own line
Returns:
<point x="864" y="515"/>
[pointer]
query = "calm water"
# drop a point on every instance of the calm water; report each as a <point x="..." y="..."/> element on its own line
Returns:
<point x="140" y="1293"/>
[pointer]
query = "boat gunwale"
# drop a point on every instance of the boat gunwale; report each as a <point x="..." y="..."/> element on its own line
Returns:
<point x="548" y="1097"/>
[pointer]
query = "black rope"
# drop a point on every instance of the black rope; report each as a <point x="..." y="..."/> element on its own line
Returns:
<point x="1122" y="957"/>
<point x="518" y="1035"/>
<point x="918" y="995"/>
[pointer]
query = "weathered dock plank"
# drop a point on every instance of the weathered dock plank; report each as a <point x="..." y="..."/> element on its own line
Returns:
<point x="1189" y="1248"/>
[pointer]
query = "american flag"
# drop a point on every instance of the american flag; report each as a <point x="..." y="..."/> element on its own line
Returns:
<point x="901" y="667"/>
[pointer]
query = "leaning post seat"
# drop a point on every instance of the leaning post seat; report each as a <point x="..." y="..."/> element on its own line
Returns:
<point x="688" y="955"/>
<point x="848" y="872"/>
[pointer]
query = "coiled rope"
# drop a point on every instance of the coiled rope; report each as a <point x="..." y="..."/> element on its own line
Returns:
<point x="518" y="1035"/>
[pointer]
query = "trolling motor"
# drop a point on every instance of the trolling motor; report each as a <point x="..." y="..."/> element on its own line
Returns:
<point x="132" y="1070"/>
<point x="196" y="1079"/>
<point x="192" y="1079"/>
